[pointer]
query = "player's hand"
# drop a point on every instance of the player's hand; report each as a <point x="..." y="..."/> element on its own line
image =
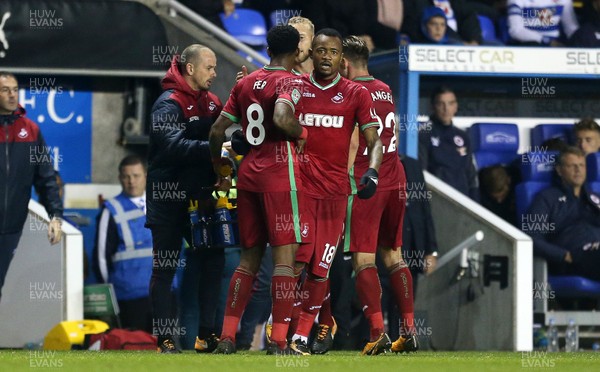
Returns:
<point x="369" y="182"/>
<point x="430" y="264"/>
<point x="54" y="230"/>
<point x="223" y="184"/>
<point x="239" y="143"/>
<point x="241" y="74"/>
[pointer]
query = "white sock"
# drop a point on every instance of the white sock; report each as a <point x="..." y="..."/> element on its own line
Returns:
<point x="302" y="338"/>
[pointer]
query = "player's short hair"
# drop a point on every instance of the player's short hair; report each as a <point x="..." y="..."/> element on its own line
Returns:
<point x="282" y="40"/>
<point x="439" y="91"/>
<point x="132" y="160"/>
<point x="7" y="74"/>
<point x="191" y="54"/>
<point x="302" y="21"/>
<point x="331" y="32"/>
<point x="355" y="50"/>
<point x="584" y="124"/>
<point x="570" y="150"/>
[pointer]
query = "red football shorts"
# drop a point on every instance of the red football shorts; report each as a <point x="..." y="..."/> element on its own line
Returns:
<point x="326" y="223"/>
<point x="376" y="222"/>
<point x="271" y="217"/>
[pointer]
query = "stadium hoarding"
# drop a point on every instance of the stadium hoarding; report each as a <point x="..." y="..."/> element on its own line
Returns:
<point x="77" y="36"/>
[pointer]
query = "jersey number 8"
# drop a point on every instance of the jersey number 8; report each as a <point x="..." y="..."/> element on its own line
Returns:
<point x="255" y="123"/>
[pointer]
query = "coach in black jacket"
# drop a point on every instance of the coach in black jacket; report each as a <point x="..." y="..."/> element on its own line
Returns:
<point x="180" y="169"/>
<point x="24" y="161"/>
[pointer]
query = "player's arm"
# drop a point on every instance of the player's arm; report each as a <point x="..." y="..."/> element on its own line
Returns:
<point x="284" y="120"/>
<point x="353" y="148"/>
<point x="374" y="147"/>
<point x="368" y="125"/>
<point x="216" y="137"/>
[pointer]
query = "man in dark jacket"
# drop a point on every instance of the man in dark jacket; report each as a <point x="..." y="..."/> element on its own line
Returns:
<point x="445" y="150"/>
<point x="588" y="35"/>
<point x="180" y="170"/>
<point x="564" y="220"/>
<point x="25" y="160"/>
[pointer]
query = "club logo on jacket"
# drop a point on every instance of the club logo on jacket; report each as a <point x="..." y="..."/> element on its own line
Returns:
<point x="23" y="133"/>
<point x="212" y="106"/>
<point x="458" y="141"/>
<point x="435" y="141"/>
<point x="190" y="107"/>
<point x="595" y="199"/>
<point x="304" y="231"/>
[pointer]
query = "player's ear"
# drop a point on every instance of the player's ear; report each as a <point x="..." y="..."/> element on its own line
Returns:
<point x="297" y="52"/>
<point x="310" y="52"/>
<point x="269" y="52"/>
<point x="189" y="68"/>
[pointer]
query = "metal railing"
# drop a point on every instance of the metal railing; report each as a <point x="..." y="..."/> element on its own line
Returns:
<point x="176" y="7"/>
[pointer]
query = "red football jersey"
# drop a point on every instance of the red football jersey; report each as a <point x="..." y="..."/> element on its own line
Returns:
<point x="271" y="165"/>
<point x="330" y="114"/>
<point x="391" y="171"/>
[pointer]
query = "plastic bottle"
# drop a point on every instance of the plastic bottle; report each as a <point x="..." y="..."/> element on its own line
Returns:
<point x="552" y="335"/>
<point x="196" y="228"/>
<point x="222" y="223"/>
<point x="572" y="337"/>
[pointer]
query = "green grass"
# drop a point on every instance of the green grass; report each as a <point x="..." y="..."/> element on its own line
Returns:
<point x="87" y="361"/>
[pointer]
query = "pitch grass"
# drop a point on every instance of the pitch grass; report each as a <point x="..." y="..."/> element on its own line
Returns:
<point x="87" y="361"/>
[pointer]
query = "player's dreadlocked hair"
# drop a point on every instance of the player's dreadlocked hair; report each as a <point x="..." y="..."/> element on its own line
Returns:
<point x="355" y="50"/>
<point x="329" y="32"/>
<point x="282" y="40"/>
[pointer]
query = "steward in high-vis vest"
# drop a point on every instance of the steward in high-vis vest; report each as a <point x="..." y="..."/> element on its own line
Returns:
<point x="123" y="254"/>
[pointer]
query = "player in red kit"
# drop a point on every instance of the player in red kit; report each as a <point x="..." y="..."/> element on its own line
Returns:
<point x="332" y="106"/>
<point x="377" y="224"/>
<point x="269" y="187"/>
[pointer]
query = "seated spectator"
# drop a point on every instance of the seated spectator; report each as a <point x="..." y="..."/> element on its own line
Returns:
<point x="538" y="22"/>
<point x="588" y="35"/>
<point x="564" y="220"/>
<point x="210" y="9"/>
<point x="434" y="28"/>
<point x="460" y="18"/>
<point x="123" y="252"/>
<point x="445" y="150"/>
<point x="587" y="135"/>
<point x="498" y="193"/>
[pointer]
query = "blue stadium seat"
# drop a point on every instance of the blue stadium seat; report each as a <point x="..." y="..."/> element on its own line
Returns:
<point x="488" y="30"/>
<point x="503" y="29"/>
<point x="537" y="169"/>
<point x="543" y="132"/>
<point x="525" y="192"/>
<point x="574" y="286"/>
<point x="246" y="25"/>
<point x="494" y="143"/>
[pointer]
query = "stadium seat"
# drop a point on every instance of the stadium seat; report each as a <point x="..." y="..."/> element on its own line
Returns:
<point x="574" y="286"/>
<point x="525" y="192"/>
<point x="503" y="29"/>
<point x="246" y="25"/>
<point x="544" y="132"/>
<point x="537" y="169"/>
<point x="494" y="143"/>
<point x="593" y="171"/>
<point x="488" y="30"/>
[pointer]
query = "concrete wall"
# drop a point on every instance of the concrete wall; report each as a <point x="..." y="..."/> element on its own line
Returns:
<point x="496" y="318"/>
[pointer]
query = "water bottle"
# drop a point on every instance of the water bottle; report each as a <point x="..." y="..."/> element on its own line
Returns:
<point x="552" y="337"/>
<point x="195" y="225"/>
<point x="223" y="230"/>
<point x="572" y="337"/>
